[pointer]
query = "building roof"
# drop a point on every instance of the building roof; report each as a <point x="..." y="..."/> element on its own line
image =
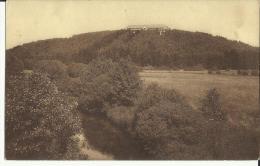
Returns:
<point x="148" y="26"/>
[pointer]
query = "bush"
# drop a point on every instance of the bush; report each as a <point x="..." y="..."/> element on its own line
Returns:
<point x="39" y="120"/>
<point x="29" y="63"/>
<point x="57" y="72"/>
<point x="74" y="151"/>
<point x="153" y="93"/>
<point x="70" y="86"/>
<point x="121" y="116"/>
<point x="53" y="68"/>
<point x="236" y="143"/>
<point x="223" y="140"/>
<point x="13" y="65"/>
<point x="227" y="142"/>
<point x="167" y="125"/>
<point x="108" y="83"/>
<point x="211" y="106"/>
<point x="76" y="69"/>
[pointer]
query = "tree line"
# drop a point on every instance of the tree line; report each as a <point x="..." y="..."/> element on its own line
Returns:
<point x="174" y="49"/>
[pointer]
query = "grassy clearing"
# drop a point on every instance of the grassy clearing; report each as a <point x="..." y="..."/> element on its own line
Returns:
<point x="239" y="94"/>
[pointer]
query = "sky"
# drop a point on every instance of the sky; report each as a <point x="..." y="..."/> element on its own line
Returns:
<point x="32" y="20"/>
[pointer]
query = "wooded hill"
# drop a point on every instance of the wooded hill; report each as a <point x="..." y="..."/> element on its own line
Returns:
<point x="173" y="49"/>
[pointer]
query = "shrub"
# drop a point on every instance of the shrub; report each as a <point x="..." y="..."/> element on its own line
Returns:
<point x="29" y="63"/>
<point x="76" y="69"/>
<point x="227" y="142"/>
<point x="70" y="86"/>
<point x="223" y="140"/>
<point x="236" y="143"/>
<point x="107" y="82"/>
<point x="74" y="151"/>
<point x="56" y="71"/>
<point x="167" y="125"/>
<point x="13" y="65"/>
<point x="153" y="93"/>
<point x="121" y="116"/>
<point x="211" y="106"/>
<point x="53" y="68"/>
<point x="39" y="120"/>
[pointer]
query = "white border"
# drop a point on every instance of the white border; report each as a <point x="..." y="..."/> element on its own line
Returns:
<point x="2" y="77"/>
<point x="131" y="163"/>
<point x="77" y="163"/>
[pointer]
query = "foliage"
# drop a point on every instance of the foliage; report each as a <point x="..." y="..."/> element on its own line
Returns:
<point x="153" y="93"/>
<point x="223" y="139"/>
<point x="211" y="106"/>
<point x="57" y="72"/>
<point x="166" y="124"/>
<point x="121" y="116"/>
<point x="108" y="83"/>
<point x="39" y="120"/>
<point x="76" y="69"/>
<point x="53" y="68"/>
<point x="13" y="65"/>
<point x="174" y="49"/>
<point x="74" y="149"/>
<point x="70" y="86"/>
<point x="170" y="129"/>
<point x="29" y="63"/>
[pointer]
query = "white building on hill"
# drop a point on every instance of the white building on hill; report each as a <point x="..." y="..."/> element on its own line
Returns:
<point x="159" y="27"/>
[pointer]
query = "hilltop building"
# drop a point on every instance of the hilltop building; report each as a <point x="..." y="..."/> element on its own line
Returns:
<point x="158" y="27"/>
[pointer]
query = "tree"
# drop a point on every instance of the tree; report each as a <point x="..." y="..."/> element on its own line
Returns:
<point x="225" y="140"/>
<point x="40" y="121"/>
<point x="76" y="69"/>
<point x="232" y="59"/>
<point x="121" y="116"/>
<point x="168" y="127"/>
<point x="211" y="106"/>
<point x="107" y="83"/>
<point x="53" y="68"/>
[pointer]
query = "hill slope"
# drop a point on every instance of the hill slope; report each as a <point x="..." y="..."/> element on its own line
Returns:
<point x="174" y="48"/>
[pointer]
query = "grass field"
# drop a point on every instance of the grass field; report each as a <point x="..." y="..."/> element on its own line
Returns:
<point x="239" y="94"/>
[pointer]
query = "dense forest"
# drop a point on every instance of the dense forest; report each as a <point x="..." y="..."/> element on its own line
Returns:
<point x="173" y="49"/>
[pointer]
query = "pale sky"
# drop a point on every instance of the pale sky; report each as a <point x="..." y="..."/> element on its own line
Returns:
<point x="32" y="20"/>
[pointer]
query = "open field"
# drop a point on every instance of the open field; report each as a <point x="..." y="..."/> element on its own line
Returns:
<point x="239" y="94"/>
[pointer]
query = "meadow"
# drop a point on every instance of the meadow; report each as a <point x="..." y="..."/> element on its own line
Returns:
<point x="239" y="94"/>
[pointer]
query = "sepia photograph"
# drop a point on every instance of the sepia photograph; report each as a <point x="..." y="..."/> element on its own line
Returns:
<point x="132" y="80"/>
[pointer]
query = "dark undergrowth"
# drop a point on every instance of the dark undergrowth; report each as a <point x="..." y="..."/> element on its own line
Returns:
<point x="108" y="138"/>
